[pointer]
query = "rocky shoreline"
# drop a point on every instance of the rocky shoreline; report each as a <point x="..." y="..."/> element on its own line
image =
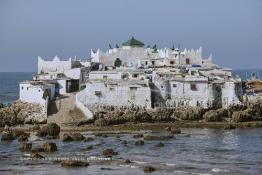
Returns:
<point x="25" y="115"/>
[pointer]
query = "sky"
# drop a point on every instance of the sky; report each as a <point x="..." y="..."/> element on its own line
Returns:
<point x="230" y="30"/>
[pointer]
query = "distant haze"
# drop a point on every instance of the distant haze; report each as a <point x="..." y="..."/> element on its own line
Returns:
<point x="229" y="29"/>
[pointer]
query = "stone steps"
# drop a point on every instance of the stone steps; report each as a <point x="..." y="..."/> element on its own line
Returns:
<point x="64" y="112"/>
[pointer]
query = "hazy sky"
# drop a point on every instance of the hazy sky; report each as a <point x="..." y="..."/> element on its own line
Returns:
<point x="229" y="29"/>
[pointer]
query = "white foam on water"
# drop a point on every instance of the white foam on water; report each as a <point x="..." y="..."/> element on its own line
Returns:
<point x="139" y="162"/>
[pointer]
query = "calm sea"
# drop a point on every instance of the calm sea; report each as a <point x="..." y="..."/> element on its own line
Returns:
<point x="9" y="85"/>
<point x="9" y="90"/>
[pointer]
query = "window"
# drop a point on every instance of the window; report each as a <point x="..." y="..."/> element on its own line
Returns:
<point x="187" y="61"/>
<point x="104" y="76"/>
<point x="146" y="63"/>
<point x="153" y="62"/>
<point x="118" y="62"/>
<point x="135" y="75"/>
<point x="22" y="87"/>
<point x="174" y="85"/>
<point x="171" y="62"/>
<point x="162" y="86"/>
<point x="193" y="87"/>
<point x="98" y="93"/>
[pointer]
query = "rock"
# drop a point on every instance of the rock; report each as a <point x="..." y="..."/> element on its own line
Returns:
<point x="229" y="127"/>
<point x="153" y="137"/>
<point x="101" y="122"/>
<point x="138" y="135"/>
<point x="25" y="146"/>
<point x="67" y="138"/>
<point x="168" y="128"/>
<point x="23" y="138"/>
<point x="87" y="148"/>
<point x="139" y="142"/>
<point x="86" y="122"/>
<point x="35" y="155"/>
<point x="74" y="163"/>
<point x="109" y="152"/>
<point x="127" y="161"/>
<point x="2" y="105"/>
<point x="89" y="139"/>
<point x="175" y="131"/>
<point x="242" y="116"/>
<point x="35" y="128"/>
<point x="7" y="136"/>
<point x="72" y="137"/>
<point x="215" y="115"/>
<point x="51" y="129"/>
<point x="149" y="169"/>
<point x="49" y="147"/>
<point x="124" y="142"/>
<point x="160" y="144"/>
<point x="38" y="149"/>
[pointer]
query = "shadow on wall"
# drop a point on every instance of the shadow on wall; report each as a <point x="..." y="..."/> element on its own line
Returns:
<point x="156" y="97"/>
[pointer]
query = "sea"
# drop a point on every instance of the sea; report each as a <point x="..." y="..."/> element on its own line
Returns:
<point x="197" y="151"/>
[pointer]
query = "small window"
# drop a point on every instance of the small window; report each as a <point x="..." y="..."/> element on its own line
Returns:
<point x="153" y="62"/>
<point x="22" y="87"/>
<point x="162" y="86"/>
<point x="98" y="93"/>
<point x="171" y="62"/>
<point x="146" y="63"/>
<point x="193" y="87"/>
<point x="135" y="75"/>
<point x="174" y="85"/>
<point x="38" y="90"/>
<point x="104" y="76"/>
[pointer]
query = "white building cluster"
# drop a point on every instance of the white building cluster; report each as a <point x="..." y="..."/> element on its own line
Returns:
<point x="134" y="75"/>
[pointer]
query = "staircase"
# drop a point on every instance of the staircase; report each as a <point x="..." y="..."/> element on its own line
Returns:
<point x="63" y="111"/>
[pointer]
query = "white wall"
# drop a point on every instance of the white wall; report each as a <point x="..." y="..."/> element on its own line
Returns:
<point x="116" y="94"/>
<point x="53" y="66"/>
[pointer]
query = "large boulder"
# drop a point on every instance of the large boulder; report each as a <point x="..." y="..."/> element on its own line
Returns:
<point x="215" y="115"/>
<point x="49" y="130"/>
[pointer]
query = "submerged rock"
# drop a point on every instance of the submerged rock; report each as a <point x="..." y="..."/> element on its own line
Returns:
<point x="87" y="148"/>
<point x="149" y="169"/>
<point x="153" y="137"/>
<point x="109" y="152"/>
<point x="160" y="144"/>
<point x="139" y="142"/>
<point x="124" y="142"/>
<point x="175" y="131"/>
<point x="49" y="147"/>
<point x="51" y="129"/>
<point x="89" y="139"/>
<point x="74" y="163"/>
<point x="67" y="137"/>
<point x="35" y="155"/>
<point x="127" y="161"/>
<point x="138" y="135"/>
<point x="25" y="146"/>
